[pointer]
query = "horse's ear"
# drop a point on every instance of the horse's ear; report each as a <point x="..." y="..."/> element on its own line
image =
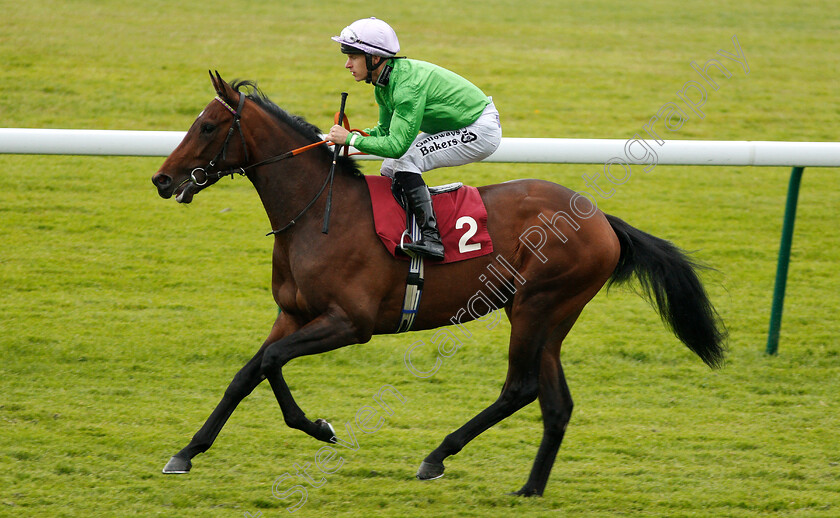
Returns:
<point x="224" y="90"/>
<point x="213" y="80"/>
<point x="218" y="83"/>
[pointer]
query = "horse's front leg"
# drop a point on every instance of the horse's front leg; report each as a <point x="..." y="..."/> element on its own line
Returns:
<point x="245" y="381"/>
<point x="330" y="331"/>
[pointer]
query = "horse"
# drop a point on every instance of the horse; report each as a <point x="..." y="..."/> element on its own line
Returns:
<point x="553" y="250"/>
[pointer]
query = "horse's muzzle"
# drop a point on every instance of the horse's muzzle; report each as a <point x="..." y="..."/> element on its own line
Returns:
<point x="164" y="184"/>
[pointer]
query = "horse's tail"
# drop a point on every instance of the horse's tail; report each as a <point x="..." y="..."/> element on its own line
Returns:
<point x="669" y="281"/>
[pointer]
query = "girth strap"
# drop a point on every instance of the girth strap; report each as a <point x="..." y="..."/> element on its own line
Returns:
<point x="413" y="284"/>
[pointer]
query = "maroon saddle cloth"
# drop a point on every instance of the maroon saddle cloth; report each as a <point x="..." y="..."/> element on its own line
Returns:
<point x="461" y="218"/>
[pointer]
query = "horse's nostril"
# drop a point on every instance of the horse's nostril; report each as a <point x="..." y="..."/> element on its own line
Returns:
<point x="161" y="180"/>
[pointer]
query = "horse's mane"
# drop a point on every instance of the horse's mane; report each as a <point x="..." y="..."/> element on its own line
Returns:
<point x="308" y="130"/>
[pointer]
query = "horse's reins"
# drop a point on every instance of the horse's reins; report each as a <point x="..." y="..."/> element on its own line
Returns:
<point x="237" y="124"/>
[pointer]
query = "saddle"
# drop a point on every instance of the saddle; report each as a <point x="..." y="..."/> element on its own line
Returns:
<point x="462" y="221"/>
<point x="399" y="195"/>
<point x="460" y="213"/>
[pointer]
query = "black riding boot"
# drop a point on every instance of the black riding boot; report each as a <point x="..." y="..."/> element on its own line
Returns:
<point x="420" y="204"/>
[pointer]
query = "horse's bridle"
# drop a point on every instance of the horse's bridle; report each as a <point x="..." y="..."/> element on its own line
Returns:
<point x="242" y="170"/>
<point x="236" y="124"/>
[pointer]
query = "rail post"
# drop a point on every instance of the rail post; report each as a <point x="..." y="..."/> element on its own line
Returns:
<point x="784" y="261"/>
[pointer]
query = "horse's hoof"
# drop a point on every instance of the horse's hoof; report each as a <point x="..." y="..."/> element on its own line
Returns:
<point x="525" y="493"/>
<point x="327" y="432"/>
<point x="177" y="465"/>
<point x="429" y="471"/>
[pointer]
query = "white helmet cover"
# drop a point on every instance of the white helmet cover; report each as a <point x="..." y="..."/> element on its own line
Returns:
<point x="371" y="36"/>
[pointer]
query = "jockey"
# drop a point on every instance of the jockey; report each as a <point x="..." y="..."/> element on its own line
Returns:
<point x="456" y="122"/>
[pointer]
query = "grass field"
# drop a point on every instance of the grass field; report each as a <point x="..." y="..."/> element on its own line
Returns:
<point x="123" y="316"/>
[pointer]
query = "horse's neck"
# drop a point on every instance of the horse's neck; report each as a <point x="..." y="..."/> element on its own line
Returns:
<point x="287" y="187"/>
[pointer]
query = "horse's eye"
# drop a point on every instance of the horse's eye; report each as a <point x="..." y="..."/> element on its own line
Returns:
<point x="207" y="128"/>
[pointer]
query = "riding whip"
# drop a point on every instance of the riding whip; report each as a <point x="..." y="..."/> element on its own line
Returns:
<point x="336" y="152"/>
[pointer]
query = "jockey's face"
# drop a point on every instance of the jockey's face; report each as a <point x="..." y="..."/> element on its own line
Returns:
<point x="356" y="64"/>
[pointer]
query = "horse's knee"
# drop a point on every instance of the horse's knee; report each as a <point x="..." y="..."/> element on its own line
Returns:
<point x="520" y="393"/>
<point x="238" y="389"/>
<point x="245" y="381"/>
<point x="273" y="360"/>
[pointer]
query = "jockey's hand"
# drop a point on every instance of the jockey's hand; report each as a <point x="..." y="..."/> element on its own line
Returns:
<point x="337" y="134"/>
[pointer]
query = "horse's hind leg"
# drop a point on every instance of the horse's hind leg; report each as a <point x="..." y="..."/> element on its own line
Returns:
<point x="534" y="370"/>
<point x="517" y="392"/>
<point x="520" y="389"/>
<point x="556" y="404"/>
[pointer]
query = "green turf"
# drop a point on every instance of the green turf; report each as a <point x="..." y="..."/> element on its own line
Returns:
<point x="124" y="316"/>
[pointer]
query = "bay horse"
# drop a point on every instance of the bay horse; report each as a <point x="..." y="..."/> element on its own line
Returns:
<point x="342" y="287"/>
